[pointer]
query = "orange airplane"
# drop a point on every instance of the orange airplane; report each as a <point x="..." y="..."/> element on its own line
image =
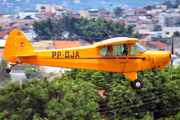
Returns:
<point x="119" y="54"/>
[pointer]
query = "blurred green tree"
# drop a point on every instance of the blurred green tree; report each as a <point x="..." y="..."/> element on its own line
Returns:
<point x="39" y="99"/>
<point x="4" y="77"/>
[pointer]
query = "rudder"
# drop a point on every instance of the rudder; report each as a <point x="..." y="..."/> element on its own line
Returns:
<point x="16" y="46"/>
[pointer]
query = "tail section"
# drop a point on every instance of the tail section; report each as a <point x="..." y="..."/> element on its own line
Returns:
<point x="16" y="46"/>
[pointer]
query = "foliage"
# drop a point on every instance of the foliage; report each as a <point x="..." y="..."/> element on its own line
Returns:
<point x="176" y="33"/>
<point x="112" y="14"/>
<point x="32" y="72"/>
<point x="4" y="77"/>
<point x="118" y="11"/>
<point x="159" y="94"/>
<point x="157" y="28"/>
<point x="89" y="30"/>
<point x="169" y="4"/>
<point x="37" y="99"/>
<point x="177" y="23"/>
<point x="44" y="29"/>
<point x="149" y="7"/>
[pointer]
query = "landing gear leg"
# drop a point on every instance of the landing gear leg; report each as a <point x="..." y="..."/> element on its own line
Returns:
<point x="8" y="70"/>
<point x="137" y="84"/>
<point x="154" y="69"/>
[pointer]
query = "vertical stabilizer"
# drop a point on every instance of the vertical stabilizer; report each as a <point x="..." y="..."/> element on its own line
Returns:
<point x="17" y="45"/>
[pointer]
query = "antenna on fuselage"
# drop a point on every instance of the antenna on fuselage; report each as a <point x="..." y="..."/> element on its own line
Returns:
<point x="107" y="34"/>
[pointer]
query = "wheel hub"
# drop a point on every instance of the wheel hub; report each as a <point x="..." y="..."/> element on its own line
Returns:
<point x="138" y="84"/>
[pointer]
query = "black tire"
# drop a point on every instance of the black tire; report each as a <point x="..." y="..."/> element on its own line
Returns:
<point x="137" y="84"/>
<point x="8" y="70"/>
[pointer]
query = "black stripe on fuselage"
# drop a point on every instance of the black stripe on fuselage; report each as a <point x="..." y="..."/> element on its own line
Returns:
<point x="143" y="58"/>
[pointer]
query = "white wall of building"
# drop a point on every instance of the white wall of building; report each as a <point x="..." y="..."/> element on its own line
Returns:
<point x="22" y="15"/>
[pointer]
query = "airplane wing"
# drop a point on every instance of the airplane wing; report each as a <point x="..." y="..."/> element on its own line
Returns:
<point x="116" y="41"/>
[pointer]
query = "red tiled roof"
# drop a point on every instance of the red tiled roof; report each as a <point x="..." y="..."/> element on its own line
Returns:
<point x="75" y="16"/>
<point x="9" y="29"/>
<point x="108" y="18"/>
<point x="66" y="44"/>
<point x="2" y="34"/>
<point x="133" y="17"/>
<point x="142" y="29"/>
<point x="158" y="44"/>
<point x="141" y="10"/>
<point x="60" y="17"/>
<point x="3" y="23"/>
<point x="144" y="36"/>
<point x="1" y="15"/>
<point x="104" y="11"/>
<point x="155" y="14"/>
<point x="49" y="14"/>
<point x="143" y="43"/>
<point x="2" y="53"/>
<point x="143" y="22"/>
<point x="125" y="11"/>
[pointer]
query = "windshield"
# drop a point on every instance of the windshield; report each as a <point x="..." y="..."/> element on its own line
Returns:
<point x="140" y="48"/>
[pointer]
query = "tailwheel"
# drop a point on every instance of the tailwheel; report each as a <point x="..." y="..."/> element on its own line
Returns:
<point x="137" y="84"/>
<point x="8" y="70"/>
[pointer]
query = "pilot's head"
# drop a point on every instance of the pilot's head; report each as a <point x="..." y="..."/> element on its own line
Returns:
<point x="125" y="47"/>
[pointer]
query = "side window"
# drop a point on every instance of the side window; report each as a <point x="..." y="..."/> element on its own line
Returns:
<point x="105" y="51"/>
<point x="120" y="50"/>
<point x="133" y="51"/>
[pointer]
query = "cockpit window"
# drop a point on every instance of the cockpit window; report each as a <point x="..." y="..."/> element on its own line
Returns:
<point x="140" y="48"/>
<point x="120" y="50"/>
<point x="105" y="51"/>
<point x="133" y="51"/>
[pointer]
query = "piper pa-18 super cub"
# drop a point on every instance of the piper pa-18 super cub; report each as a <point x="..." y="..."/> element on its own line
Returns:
<point x="119" y="54"/>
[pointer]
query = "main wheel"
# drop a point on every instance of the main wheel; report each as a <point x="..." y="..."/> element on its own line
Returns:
<point x="8" y="70"/>
<point x="137" y="84"/>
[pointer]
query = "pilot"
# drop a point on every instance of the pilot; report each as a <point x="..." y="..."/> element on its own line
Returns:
<point x="108" y="51"/>
<point x="125" y="51"/>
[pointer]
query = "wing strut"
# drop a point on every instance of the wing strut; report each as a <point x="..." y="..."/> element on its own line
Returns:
<point x="127" y="56"/>
<point x="117" y="58"/>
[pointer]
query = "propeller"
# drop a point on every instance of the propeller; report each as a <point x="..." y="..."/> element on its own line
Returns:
<point x="173" y="56"/>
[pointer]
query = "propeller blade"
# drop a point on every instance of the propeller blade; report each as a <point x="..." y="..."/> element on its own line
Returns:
<point x="173" y="56"/>
<point x="172" y="46"/>
<point x="171" y="67"/>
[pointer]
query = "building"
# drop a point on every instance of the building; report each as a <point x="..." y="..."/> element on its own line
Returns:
<point x="30" y="14"/>
<point x="5" y="18"/>
<point x="146" y="37"/>
<point x="84" y="13"/>
<point x="93" y="13"/>
<point x="141" y="12"/>
<point x="169" y="20"/>
<point x="169" y="31"/>
<point x="132" y="20"/>
<point x="104" y="13"/>
<point x="58" y="11"/>
<point x="156" y="45"/>
<point x="70" y="12"/>
<point x="128" y="12"/>
<point x="43" y="8"/>
<point x="44" y="45"/>
<point x="3" y="34"/>
<point x="169" y="17"/>
<point x="69" y="44"/>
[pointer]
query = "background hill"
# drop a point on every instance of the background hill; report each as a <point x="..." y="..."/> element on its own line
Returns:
<point x="15" y="6"/>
